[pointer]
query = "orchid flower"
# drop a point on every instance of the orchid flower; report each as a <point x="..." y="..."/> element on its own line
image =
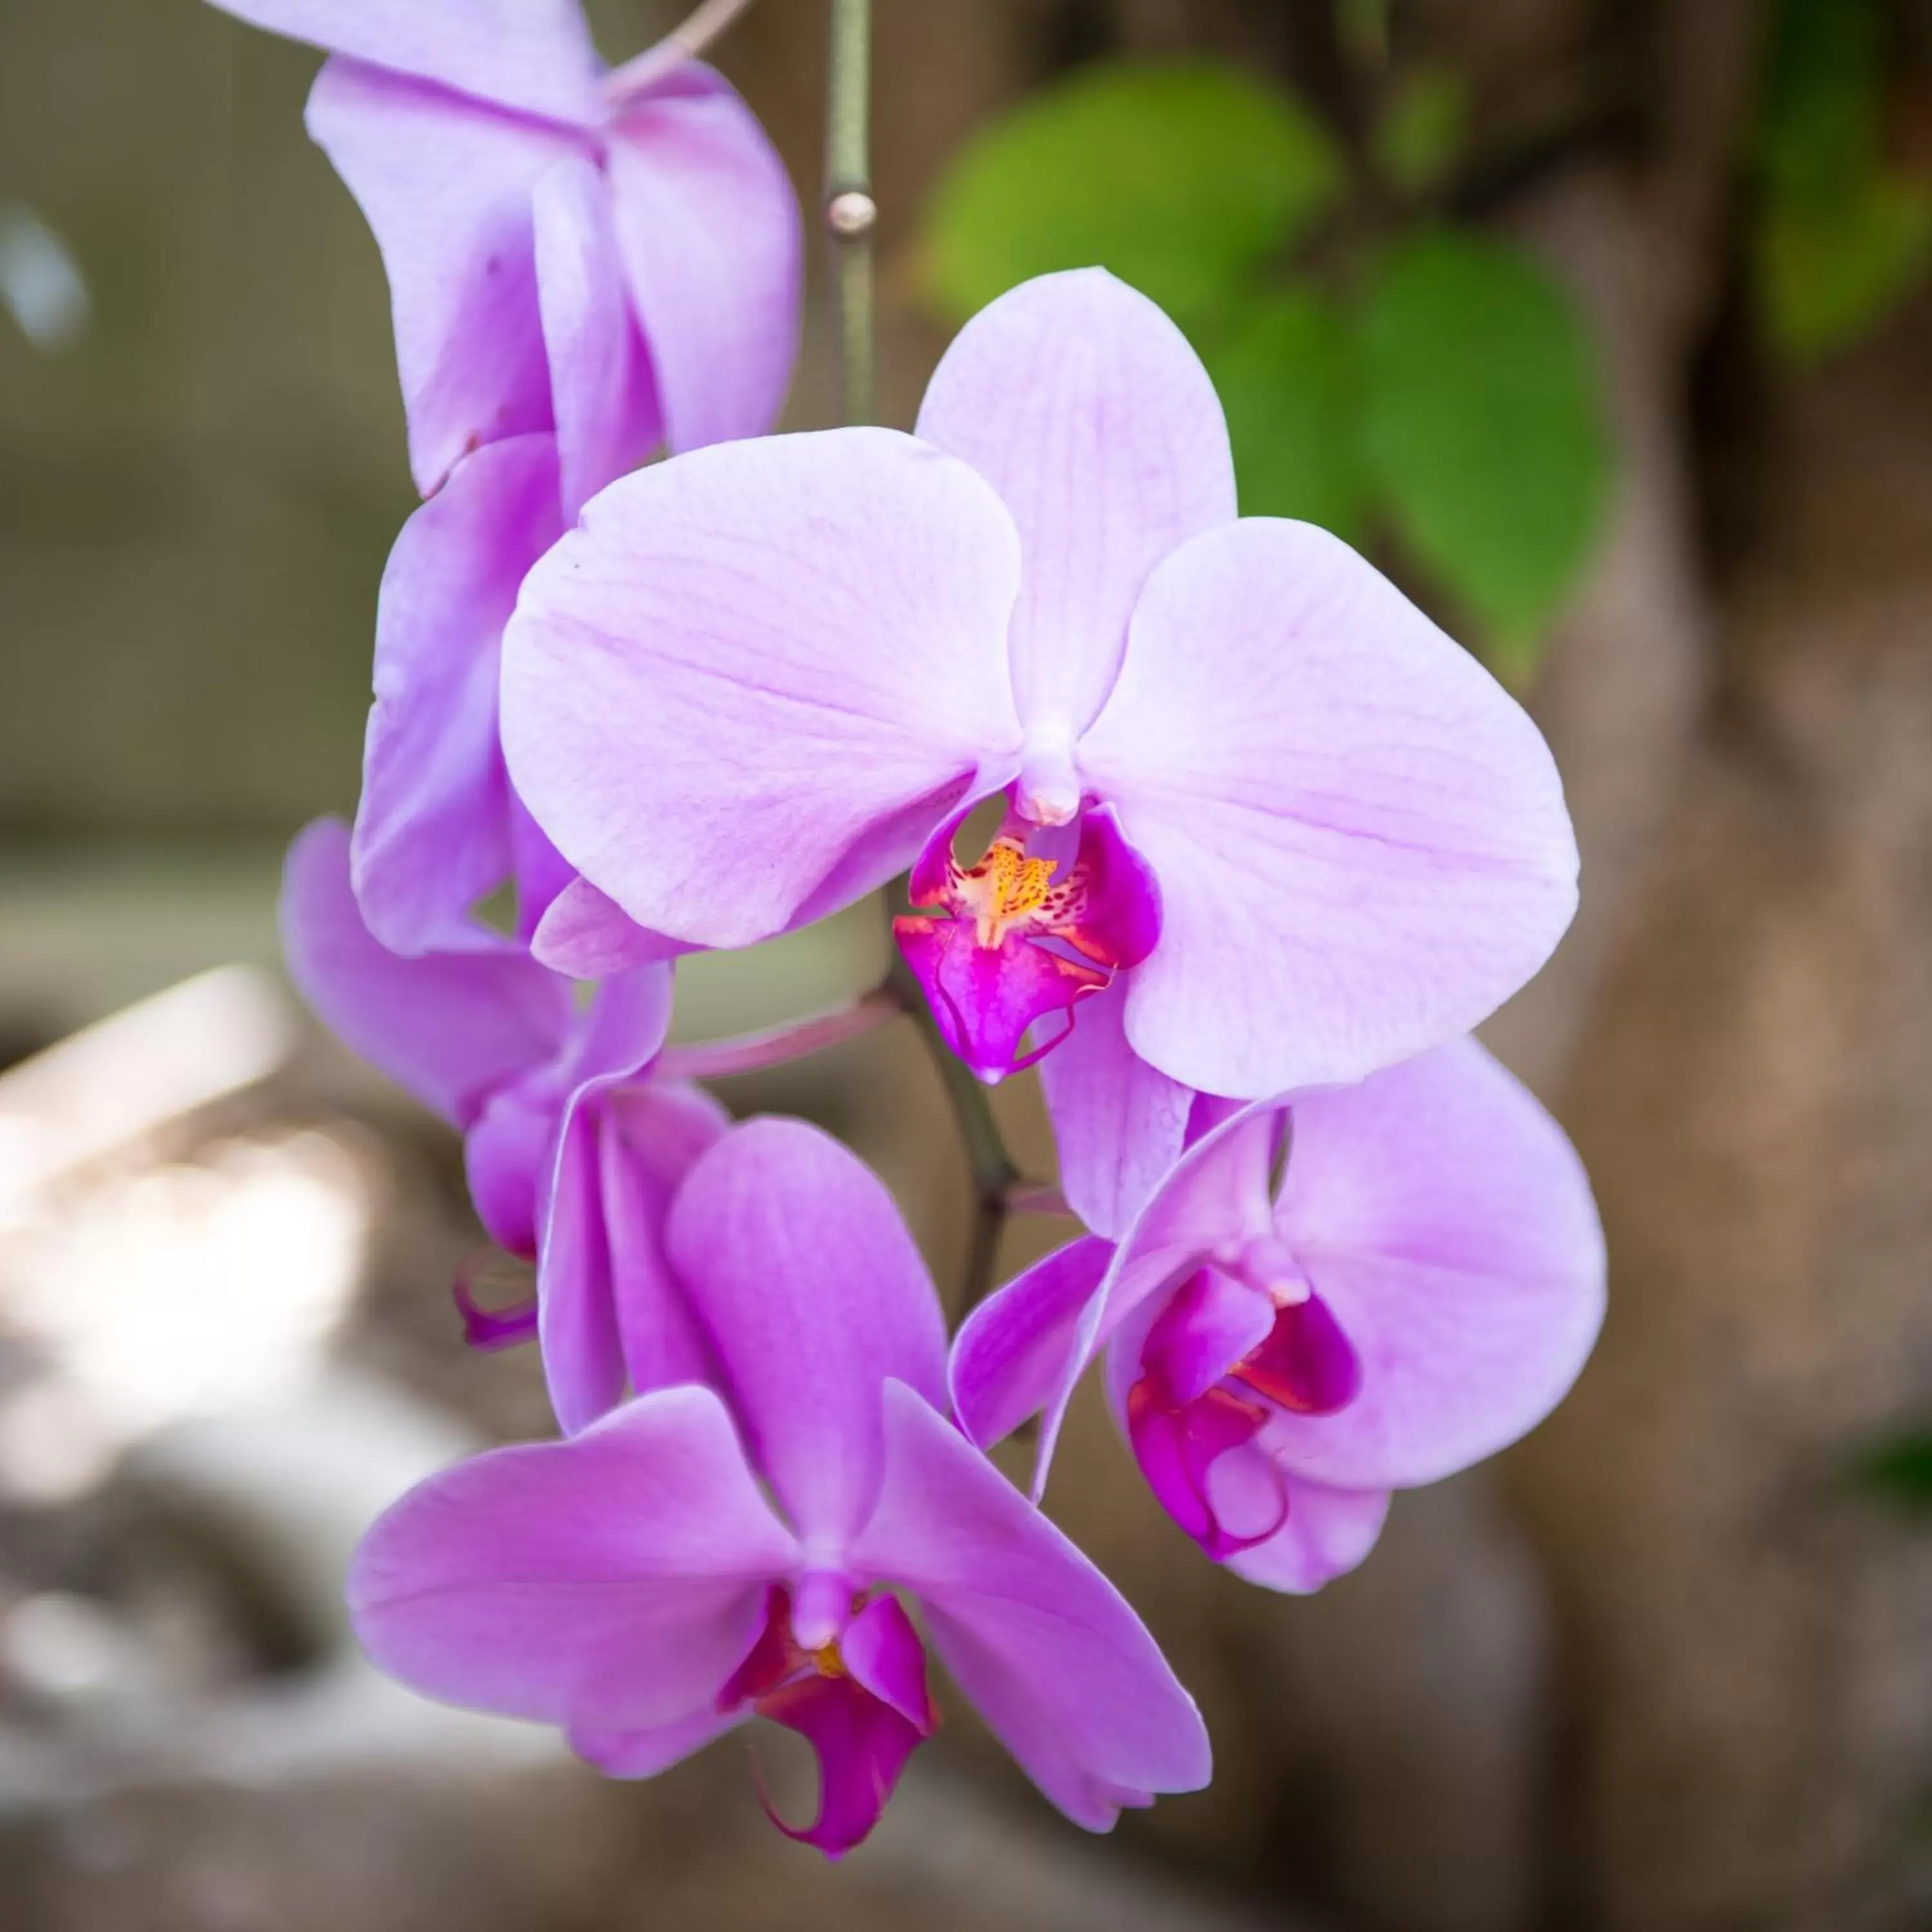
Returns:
<point x="568" y="250"/>
<point x="1264" y="825"/>
<point x="1422" y="1287"/>
<point x="574" y="1142"/>
<point x="703" y="1555"/>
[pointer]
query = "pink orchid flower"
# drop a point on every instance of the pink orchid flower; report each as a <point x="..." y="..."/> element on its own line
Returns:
<point x="614" y="260"/>
<point x="574" y="1140"/>
<point x="1422" y="1287"/>
<point x="703" y="1555"/>
<point x="1265" y="826"/>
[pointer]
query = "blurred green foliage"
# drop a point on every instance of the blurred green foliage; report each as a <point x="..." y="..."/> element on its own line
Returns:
<point x="1383" y="374"/>
<point x="1842" y="234"/>
<point x="1899" y="1471"/>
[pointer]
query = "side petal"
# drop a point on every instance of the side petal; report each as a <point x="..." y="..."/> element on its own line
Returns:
<point x="655" y="1134"/>
<point x="1447" y="1221"/>
<point x="1359" y="837"/>
<point x="1119" y="1123"/>
<point x="602" y="393"/>
<point x="803" y="1275"/>
<point x="610" y="1584"/>
<point x="745" y="658"/>
<point x="446" y="184"/>
<point x="451" y="1027"/>
<point x="533" y="55"/>
<point x="577" y="1303"/>
<point x="434" y="829"/>
<point x="1063" y="1672"/>
<point x="1012" y="1350"/>
<point x="1081" y="403"/>
<point x="712" y="245"/>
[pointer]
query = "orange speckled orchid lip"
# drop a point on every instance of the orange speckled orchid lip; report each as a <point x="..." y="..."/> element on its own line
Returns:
<point x="979" y="955"/>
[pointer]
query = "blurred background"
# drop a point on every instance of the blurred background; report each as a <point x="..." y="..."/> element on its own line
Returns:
<point x="1606" y="325"/>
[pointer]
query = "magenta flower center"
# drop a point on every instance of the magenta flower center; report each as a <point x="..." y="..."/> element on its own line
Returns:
<point x="1227" y="1351"/>
<point x="1025" y="934"/>
<point x="858" y="1697"/>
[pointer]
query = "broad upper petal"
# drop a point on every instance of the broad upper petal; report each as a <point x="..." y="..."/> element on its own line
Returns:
<point x="433" y="831"/>
<point x="584" y="932"/>
<point x="1063" y="1672"/>
<point x="610" y="1583"/>
<point x="1449" y="1226"/>
<point x="446" y="184"/>
<point x="711" y="243"/>
<point x="1081" y="403"/>
<point x="745" y="658"/>
<point x="601" y="394"/>
<point x="1118" y="1122"/>
<point x="800" y="1270"/>
<point x="535" y="55"/>
<point x="1359" y="837"/>
<point x="451" y="1026"/>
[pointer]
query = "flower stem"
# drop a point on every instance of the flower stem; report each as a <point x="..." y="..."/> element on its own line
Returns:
<point x="758" y="1052"/>
<point x="692" y="34"/>
<point x="850" y="210"/>
<point x="995" y="1176"/>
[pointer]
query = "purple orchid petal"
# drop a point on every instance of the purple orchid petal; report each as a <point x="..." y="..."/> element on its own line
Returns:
<point x="602" y="393"/>
<point x="610" y="1583"/>
<point x="645" y="1753"/>
<point x="1216" y="1193"/>
<point x="489" y="1330"/>
<point x="452" y="1028"/>
<point x="446" y="184"/>
<point x="505" y="1155"/>
<point x="652" y="1136"/>
<point x="538" y="868"/>
<point x="1181" y="1448"/>
<point x="578" y="1284"/>
<point x="1359" y="837"/>
<point x="712" y="244"/>
<point x="1078" y="400"/>
<point x="1448" y="1224"/>
<point x="1306" y="1364"/>
<point x="1326" y="1534"/>
<point x="535" y="55"/>
<point x="800" y="1270"/>
<point x="584" y="933"/>
<point x="1063" y="1672"/>
<point x="797" y="639"/>
<point x="1012" y="1350"/>
<point x="1119" y="924"/>
<point x="1119" y="1123"/>
<point x="984" y="998"/>
<point x="577" y="1312"/>
<point x="433" y="832"/>
<point x="1209" y="1324"/>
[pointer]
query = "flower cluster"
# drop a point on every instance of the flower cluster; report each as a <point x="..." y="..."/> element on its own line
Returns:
<point x="1262" y="845"/>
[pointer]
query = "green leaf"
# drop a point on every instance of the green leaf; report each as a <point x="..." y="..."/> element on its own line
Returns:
<point x="1419" y="135"/>
<point x="1841" y="238"/>
<point x="1828" y="279"/>
<point x="1899" y="1471"/>
<point x="1183" y="179"/>
<point x="1289" y="381"/>
<point x="1482" y="428"/>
